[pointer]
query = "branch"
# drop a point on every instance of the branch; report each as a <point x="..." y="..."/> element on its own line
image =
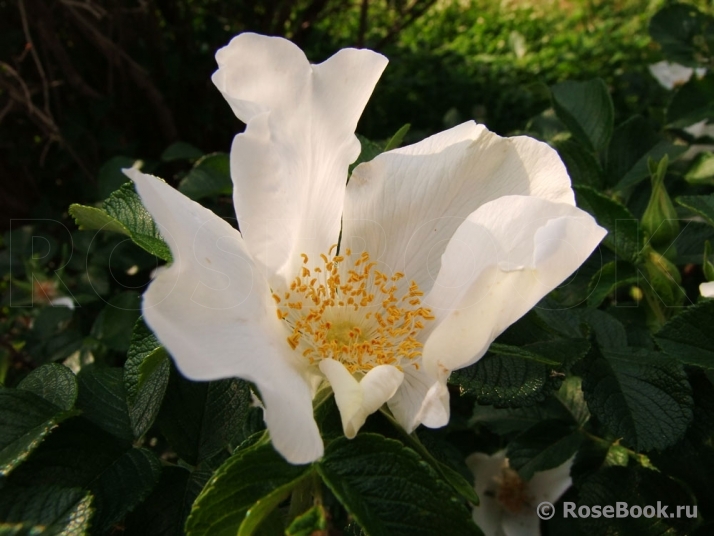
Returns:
<point x="48" y="34"/>
<point x="363" y="12"/>
<point x="141" y="78"/>
<point x="30" y="45"/>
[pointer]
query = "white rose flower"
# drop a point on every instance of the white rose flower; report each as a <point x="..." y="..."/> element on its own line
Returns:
<point x="507" y="502"/>
<point x="707" y="289"/>
<point x="442" y="245"/>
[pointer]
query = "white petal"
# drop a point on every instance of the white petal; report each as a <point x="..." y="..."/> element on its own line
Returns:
<point x="405" y="205"/>
<point x="289" y="167"/>
<point x="212" y="311"/>
<point x="420" y="399"/>
<point x="357" y="400"/>
<point x="707" y="289"/>
<point x="64" y="301"/>
<point x="500" y="262"/>
<point x="702" y="128"/>
<point x="544" y="486"/>
<point x="551" y="484"/>
<point x="489" y="514"/>
<point x="669" y="74"/>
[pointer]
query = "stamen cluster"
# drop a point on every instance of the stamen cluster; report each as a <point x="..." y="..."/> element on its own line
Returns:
<point x="346" y="309"/>
<point x="512" y="491"/>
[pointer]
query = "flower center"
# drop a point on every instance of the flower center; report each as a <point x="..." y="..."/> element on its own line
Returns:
<point x="344" y="333"/>
<point x="347" y="310"/>
<point x="512" y="491"/>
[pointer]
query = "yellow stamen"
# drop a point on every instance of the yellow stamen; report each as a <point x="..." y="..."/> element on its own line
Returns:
<point x="353" y="315"/>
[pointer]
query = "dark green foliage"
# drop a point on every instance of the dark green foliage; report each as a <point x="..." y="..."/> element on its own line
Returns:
<point x="199" y="419"/>
<point x="586" y="109"/>
<point x="102" y="399"/>
<point x="389" y="490"/>
<point x="689" y="337"/>
<point x="546" y="445"/>
<point x="640" y="396"/>
<point x="252" y="476"/>
<point x="79" y="456"/>
<point x="613" y="370"/>
<point x="685" y="34"/>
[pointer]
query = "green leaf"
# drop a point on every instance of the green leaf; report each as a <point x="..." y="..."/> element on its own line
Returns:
<point x="91" y="218"/>
<point x="693" y="102"/>
<point x="111" y="176"/>
<point x="164" y="512"/>
<point x="507" y="380"/>
<point x="529" y="366"/>
<point x="53" y="336"/>
<point x="257" y="473"/>
<point x="444" y="457"/>
<point x="396" y="140"/>
<point x="572" y="398"/>
<point x="102" y="399"/>
<point x="115" y="322"/>
<point x="546" y="445"/>
<point x="25" y="420"/>
<point x="624" y="234"/>
<point x="633" y="144"/>
<point x="181" y="151"/>
<point x="702" y="205"/>
<point x="311" y="522"/>
<point x="199" y="419"/>
<point x="80" y="455"/>
<point x="146" y="376"/>
<point x="582" y="166"/>
<point x="641" y="396"/>
<point x="210" y="176"/>
<point x="691" y="240"/>
<point x="458" y="483"/>
<point x="261" y="512"/>
<point x="389" y="490"/>
<point x="608" y="331"/>
<point x="702" y="169"/>
<point x="123" y="213"/>
<point x="609" y="278"/>
<point x="370" y="150"/>
<point x="634" y="486"/>
<point x="514" y="351"/>
<point x="587" y="110"/>
<point x="53" y="382"/>
<point x="679" y="29"/>
<point x="508" y="421"/>
<point x="46" y="510"/>
<point x="688" y="337"/>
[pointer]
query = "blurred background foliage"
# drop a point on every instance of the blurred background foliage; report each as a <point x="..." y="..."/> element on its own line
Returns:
<point x="82" y="81"/>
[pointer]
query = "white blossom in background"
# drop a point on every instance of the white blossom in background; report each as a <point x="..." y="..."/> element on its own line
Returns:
<point x="672" y="75"/>
<point x="443" y="245"/>
<point x="507" y="502"/>
<point x="47" y="292"/>
<point x="707" y="289"/>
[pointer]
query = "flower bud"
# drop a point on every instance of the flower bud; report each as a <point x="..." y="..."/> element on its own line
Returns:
<point x="665" y="266"/>
<point x="660" y="218"/>
<point x="707" y="265"/>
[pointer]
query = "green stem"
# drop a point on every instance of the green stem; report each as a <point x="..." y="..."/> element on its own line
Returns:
<point x="307" y="493"/>
<point x="657" y="317"/>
